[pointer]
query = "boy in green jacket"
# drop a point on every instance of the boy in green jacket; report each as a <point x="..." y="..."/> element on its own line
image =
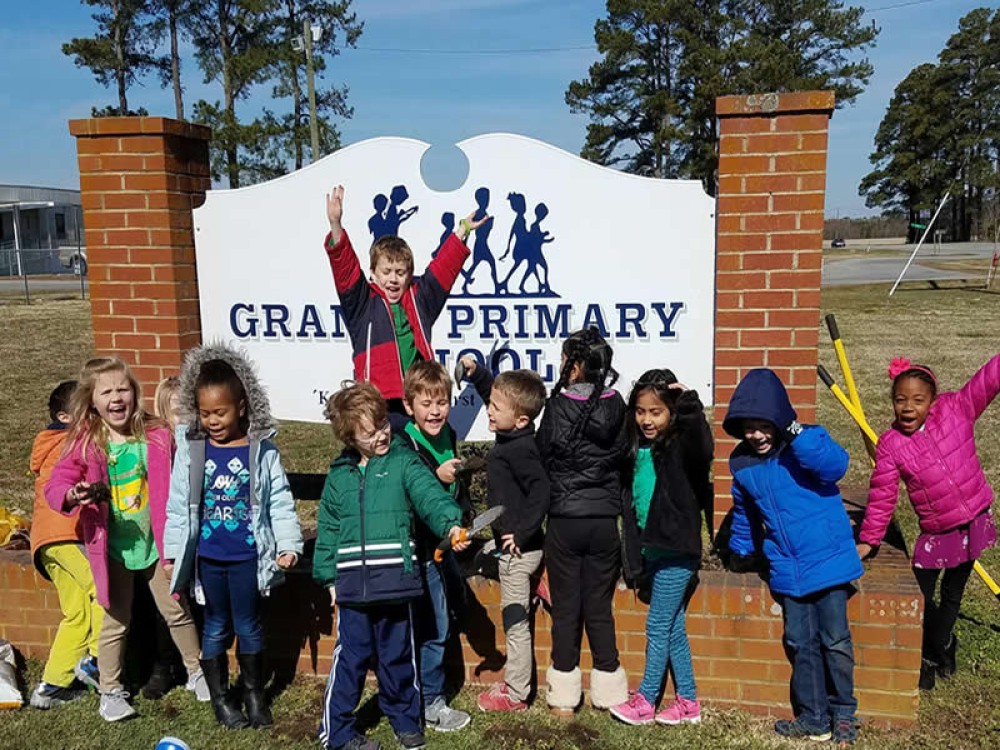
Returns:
<point x="366" y="557"/>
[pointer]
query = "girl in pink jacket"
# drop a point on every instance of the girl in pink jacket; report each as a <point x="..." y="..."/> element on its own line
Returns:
<point x="116" y="475"/>
<point x="932" y="447"/>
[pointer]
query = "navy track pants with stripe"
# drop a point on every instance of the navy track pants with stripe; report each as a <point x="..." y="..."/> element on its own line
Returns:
<point x="381" y="633"/>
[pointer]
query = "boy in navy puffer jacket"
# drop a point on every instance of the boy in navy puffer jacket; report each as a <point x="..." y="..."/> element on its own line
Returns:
<point x="785" y="478"/>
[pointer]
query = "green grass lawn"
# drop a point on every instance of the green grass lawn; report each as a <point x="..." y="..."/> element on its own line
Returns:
<point x="952" y="330"/>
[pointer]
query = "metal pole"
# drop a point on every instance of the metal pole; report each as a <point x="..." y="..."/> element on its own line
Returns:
<point x="310" y="84"/>
<point x="79" y="250"/>
<point x="17" y="250"/>
<point x="922" y="238"/>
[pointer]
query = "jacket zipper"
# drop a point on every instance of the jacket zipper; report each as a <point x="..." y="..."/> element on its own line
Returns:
<point x="947" y="473"/>
<point x="420" y="324"/>
<point x="780" y="522"/>
<point x="364" y="554"/>
<point x="395" y="337"/>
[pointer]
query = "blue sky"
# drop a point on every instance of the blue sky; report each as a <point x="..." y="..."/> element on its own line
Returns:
<point x="438" y="98"/>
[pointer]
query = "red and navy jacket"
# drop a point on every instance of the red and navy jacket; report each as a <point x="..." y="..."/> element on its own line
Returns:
<point x="369" y="319"/>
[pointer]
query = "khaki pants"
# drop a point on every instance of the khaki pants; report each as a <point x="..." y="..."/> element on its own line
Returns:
<point x="118" y="616"/>
<point x="515" y="601"/>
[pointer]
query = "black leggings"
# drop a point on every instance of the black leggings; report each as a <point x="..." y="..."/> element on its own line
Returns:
<point x="939" y="618"/>
<point x="583" y="559"/>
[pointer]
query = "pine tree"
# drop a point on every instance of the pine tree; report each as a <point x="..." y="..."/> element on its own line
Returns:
<point x="941" y="133"/>
<point x="340" y="29"/>
<point x="235" y="47"/>
<point x="651" y="96"/>
<point x="121" y="52"/>
<point x="170" y="17"/>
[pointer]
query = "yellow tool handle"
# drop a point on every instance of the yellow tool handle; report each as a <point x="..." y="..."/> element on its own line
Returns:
<point x="987" y="579"/>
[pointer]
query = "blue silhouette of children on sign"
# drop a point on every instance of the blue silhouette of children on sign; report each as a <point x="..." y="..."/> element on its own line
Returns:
<point x="526" y="245"/>
<point x="517" y="239"/>
<point x="481" y="252"/>
<point x="376" y="224"/>
<point x="448" y="222"/>
<point x="393" y="216"/>
<point x="537" y="237"/>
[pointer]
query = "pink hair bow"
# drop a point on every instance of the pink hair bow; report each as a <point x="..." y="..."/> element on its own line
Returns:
<point x="898" y="366"/>
<point x="901" y="364"/>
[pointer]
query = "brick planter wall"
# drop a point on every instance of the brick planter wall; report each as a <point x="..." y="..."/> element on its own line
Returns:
<point x="733" y="622"/>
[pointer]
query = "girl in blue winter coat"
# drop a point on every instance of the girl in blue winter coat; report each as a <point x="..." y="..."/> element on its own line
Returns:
<point x="231" y="524"/>
<point x="785" y="500"/>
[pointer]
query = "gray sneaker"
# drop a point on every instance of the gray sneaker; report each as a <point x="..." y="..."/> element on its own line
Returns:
<point x="443" y="718"/>
<point x="115" y="705"/>
<point x="47" y="696"/>
<point x="197" y="685"/>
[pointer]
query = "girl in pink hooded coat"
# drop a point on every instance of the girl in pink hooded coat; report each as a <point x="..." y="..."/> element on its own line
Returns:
<point x="115" y="476"/>
<point x="932" y="447"/>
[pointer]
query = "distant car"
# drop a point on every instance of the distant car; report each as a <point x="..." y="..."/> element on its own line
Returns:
<point x="838" y="243"/>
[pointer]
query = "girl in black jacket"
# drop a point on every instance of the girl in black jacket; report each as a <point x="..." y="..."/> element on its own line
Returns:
<point x="668" y="491"/>
<point x="583" y="447"/>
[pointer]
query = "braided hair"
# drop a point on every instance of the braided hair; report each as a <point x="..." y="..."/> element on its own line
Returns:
<point x="588" y="349"/>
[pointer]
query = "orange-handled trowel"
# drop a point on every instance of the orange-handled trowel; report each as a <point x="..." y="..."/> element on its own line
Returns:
<point x="480" y="522"/>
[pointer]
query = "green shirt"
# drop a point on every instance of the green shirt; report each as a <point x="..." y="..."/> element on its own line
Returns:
<point x="440" y="447"/>
<point x="404" y="337"/>
<point x="130" y="529"/>
<point x="643" y="484"/>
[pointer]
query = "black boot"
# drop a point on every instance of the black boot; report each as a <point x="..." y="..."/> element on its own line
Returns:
<point x="252" y="673"/>
<point x="227" y="712"/>
<point x="160" y="682"/>
<point x="928" y="673"/>
<point x="947" y="665"/>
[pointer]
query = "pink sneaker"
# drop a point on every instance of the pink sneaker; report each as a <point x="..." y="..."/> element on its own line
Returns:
<point x="637" y="710"/>
<point x="681" y="711"/>
<point x="498" y="699"/>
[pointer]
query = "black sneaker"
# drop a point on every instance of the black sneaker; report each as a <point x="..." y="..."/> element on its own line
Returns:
<point x="360" y="743"/>
<point x="160" y="682"/>
<point x="410" y="740"/>
<point x="928" y="674"/>
<point x="799" y="729"/>
<point x="845" y="730"/>
<point x="948" y="665"/>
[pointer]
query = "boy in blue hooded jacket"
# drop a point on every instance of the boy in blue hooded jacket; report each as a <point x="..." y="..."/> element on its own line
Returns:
<point x="786" y="501"/>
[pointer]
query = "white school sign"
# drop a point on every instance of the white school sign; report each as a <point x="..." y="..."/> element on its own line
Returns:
<point x="570" y="245"/>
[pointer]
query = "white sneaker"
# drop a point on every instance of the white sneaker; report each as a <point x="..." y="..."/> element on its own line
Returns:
<point x="197" y="685"/>
<point x="115" y="705"/>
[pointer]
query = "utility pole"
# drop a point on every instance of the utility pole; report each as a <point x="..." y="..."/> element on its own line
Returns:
<point x="308" y="31"/>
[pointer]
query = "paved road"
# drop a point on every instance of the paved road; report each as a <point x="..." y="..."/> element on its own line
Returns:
<point x="861" y="269"/>
<point x="15" y="286"/>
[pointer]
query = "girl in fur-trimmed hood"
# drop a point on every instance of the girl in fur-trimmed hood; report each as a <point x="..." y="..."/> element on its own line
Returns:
<point x="231" y="525"/>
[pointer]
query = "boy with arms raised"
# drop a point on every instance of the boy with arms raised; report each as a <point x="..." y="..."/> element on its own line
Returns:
<point x="389" y="318"/>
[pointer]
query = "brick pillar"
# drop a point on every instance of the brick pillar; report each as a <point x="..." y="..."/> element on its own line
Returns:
<point x="139" y="179"/>
<point x="769" y="240"/>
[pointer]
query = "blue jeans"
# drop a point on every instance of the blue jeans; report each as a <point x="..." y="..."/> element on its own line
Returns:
<point x="232" y="605"/>
<point x="819" y="639"/>
<point x="431" y="626"/>
<point x="666" y="631"/>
